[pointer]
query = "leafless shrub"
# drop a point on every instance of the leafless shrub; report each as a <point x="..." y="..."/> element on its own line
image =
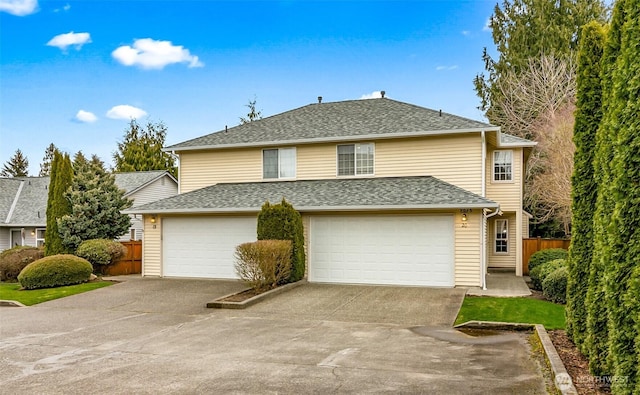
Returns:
<point x="264" y="264"/>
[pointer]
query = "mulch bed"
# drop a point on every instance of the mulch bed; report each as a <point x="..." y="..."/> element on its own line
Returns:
<point x="242" y="296"/>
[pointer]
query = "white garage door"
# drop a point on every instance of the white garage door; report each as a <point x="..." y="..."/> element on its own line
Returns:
<point x="204" y="247"/>
<point x="398" y="250"/>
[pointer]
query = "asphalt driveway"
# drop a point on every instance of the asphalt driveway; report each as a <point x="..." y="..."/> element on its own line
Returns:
<point x="156" y="336"/>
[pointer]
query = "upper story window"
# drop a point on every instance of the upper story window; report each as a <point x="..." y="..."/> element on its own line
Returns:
<point x="279" y="163"/>
<point x="502" y="236"/>
<point x="503" y="166"/>
<point x="355" y="159"/>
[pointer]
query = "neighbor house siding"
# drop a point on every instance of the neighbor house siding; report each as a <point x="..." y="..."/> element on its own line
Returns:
<point x="200" y="169"/>
<point x="4" y="238"/>
<point x="507" y="194"/>
<point x="503" y="260"/>
<point x="467" y="249"/>
<point x="152" y="247"/>
<point x="159" y="189"/>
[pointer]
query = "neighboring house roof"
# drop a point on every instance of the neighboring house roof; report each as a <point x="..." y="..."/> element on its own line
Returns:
<point x="507" y="140"/>
<point x="132" y="182"/>
<point x="23" y="200"/>
<point x="338" y="121"/>
<point x="322" y="195"/>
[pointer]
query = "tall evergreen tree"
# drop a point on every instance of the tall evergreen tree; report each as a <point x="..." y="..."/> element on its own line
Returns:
<point x="16" y="166"/>
<point x="587" y="119"/>
<point x="141" y="149"/>
<point x="624" y="230"/>
<point x="57" y="205"/>
<point x="96" y="205"/>
<point x="45" y="166"/>
<point x="597" y="302"/>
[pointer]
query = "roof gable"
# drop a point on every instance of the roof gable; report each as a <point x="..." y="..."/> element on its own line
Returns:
<point x="133" y="181"/>
<point x="373" y="118"/>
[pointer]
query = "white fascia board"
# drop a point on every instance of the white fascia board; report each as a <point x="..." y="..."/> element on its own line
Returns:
<point x="336" y="139"/>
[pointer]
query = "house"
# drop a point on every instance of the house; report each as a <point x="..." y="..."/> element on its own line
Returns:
<point x="23" y="204"/>
<point x="389" y="192"/>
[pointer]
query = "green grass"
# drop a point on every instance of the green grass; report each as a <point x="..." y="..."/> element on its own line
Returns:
<point x="522" y="310"/>
<point x="11" y="291"/>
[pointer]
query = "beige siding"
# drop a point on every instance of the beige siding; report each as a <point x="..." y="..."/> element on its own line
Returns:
<point x="159" y="189"/>
<point x="152" y="247"/>
<point x="509" y="259"/>
<point x="507" y="194"/>
<point x="467" y="249"/>
<point x="203" y="168"/>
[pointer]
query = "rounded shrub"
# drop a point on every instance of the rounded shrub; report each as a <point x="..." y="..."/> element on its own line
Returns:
<point x="13" y="260"/>
<point x="554" y="286"/>
<point x="548" y="255"/>
<point x="55" y="271"/>
<point x="539" y="273"/>
<point x="101" y="251"/>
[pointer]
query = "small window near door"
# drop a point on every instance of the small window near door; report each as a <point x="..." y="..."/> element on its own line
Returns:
<point x="502" y="236"/>
<point x="40" y="234"/>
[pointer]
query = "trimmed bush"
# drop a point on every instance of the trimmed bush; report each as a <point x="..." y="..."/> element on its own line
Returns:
<point x="55" y="271"/>
<point x="283" y="222"/>
<point x="554" y="286"/>
<point x="539" y="273"/>
<point x="13" y="260"/>
<point x="547" y="255"/>
<point x="264" y="264"/>
<point x="101" y="252"/>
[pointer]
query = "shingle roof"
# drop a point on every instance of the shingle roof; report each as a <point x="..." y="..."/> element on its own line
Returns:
<point x="31" y="203"/>
<point x="132" y="181"/>
<point x="507" y="140"/>
<point x="317" y="195"/>
<point x="336" y="121"/>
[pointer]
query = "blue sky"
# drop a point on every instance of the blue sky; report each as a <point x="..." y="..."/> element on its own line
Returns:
<point x="73" y="72"/>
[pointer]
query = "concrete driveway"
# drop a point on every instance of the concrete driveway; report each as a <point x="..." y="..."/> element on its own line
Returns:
<point x="156" y="336"/>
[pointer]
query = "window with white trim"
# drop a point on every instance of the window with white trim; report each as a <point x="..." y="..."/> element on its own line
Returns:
<point x="502" y="236"/>
<point x="40" y="235"/>
<point x="355" y="159"/>
<point x="279" y="163"/>
<point x="503" y="165"/>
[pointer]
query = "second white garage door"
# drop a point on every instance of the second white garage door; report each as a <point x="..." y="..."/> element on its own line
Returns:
<point x="385" y="249"/>
<point x="204" y="247"/>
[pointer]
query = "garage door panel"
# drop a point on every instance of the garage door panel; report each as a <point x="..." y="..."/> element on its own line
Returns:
<point x="205" y="246"/>
<point x="400" y="250"/>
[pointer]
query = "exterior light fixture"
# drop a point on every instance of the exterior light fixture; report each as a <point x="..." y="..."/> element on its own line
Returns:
<point x="153" y="219"/>
<point x="33" y="232"/>
<point x="464" y="217"/>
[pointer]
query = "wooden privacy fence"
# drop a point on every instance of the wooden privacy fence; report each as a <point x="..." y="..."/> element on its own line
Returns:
<point x="533" y="245"/>
<point x="131" y="263"/>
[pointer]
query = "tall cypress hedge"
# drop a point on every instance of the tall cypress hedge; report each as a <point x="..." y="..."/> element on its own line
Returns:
<point x="625" y="225"/>
<point x="61" y="177"/>
<point x="583" y="193"/>
<point x="283" y="222"/>
<point x="596" y="343"/>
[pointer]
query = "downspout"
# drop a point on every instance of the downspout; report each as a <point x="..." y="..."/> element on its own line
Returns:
<point x="177" y="157"/>
<point x="483" y="226"/>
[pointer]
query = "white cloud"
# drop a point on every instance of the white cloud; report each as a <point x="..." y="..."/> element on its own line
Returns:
<point x="372" y="95"/>
<point x="125" y="111"/>
<point x="64" y="41"/>
<point x="442" y="68"/>
<point x="85" y="117"/>
<point x="19" y="7"/>
<point x="153" y="54"/>
<point x="64" y="8"/>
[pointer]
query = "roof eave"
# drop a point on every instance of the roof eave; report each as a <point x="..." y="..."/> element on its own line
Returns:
<point x="317" y="208"/>
<point x="23" y="225"/>
<point x="178" y="148"/>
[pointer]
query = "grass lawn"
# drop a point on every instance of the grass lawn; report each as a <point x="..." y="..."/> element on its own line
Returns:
<point x="11" y="291"/>
<point x="522" y="310"/>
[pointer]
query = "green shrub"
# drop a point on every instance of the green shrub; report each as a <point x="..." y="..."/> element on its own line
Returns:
<point x="548" y="255"/>
<point x="283" y="222"/>
<point x="101" y="252"/>
<point x="265" y="263"/>
<point x="55" y="271"/>
<point x="13" y="260"/>
<point x="539" y="273"/>
<point x="554" y="286"/>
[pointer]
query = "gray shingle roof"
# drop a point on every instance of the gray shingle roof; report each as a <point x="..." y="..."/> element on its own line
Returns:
<point x="336" y="121"/>
<point x="507" y="139"/>
<point x="31" y="204"/>
<point x="317" y="195"/>
<point x="132" y="181"/>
